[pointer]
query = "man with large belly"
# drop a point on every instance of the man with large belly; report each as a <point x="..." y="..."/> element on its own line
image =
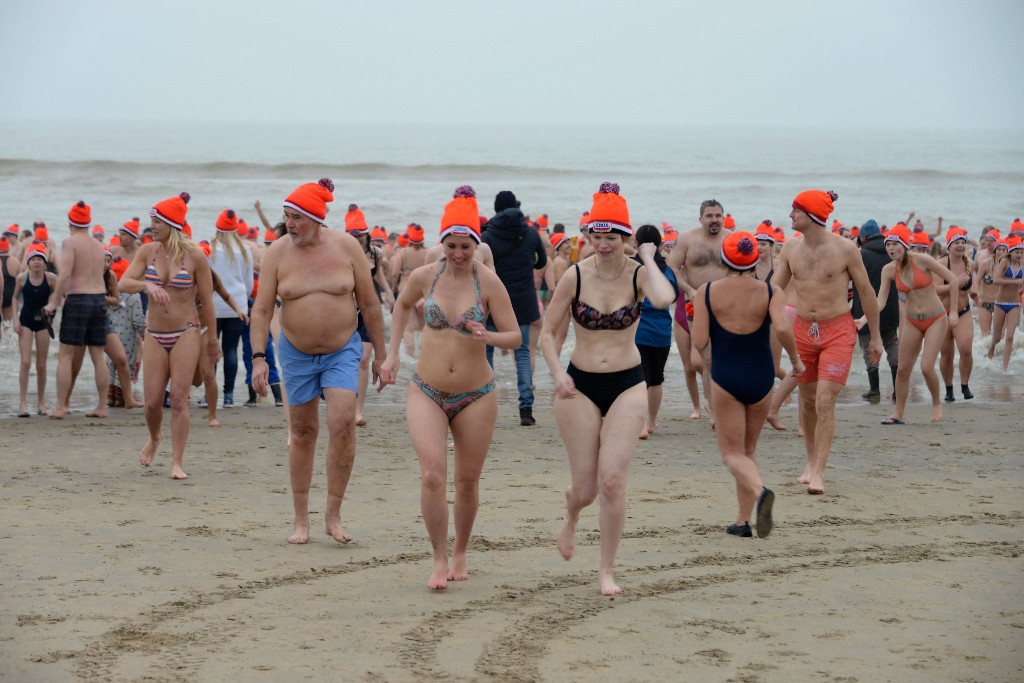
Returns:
<point x="322" y="279"/>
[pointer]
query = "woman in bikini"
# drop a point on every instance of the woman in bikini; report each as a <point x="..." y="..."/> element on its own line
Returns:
<point x="601" y="398"/>
<point x="738" y="319"/>
<point x="355" y="225"/>
<point x="1008" y="275"/>
<point x="453" y="385"/>
<point x="959" y="337"/>
<point x="32" y="291"/>
<point x="925" y="320"/>
<point x="172" y="270"/>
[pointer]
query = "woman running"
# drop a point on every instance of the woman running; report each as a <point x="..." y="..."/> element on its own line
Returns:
<point x="736" y="315"/>
<point x="1008" y="276"/>
<point x="926" y="319"/>
<point x="960" y="337"/>
<point x="453" y="385"/>
<point x="601" y="398"/>
<point x="172" y="269"/>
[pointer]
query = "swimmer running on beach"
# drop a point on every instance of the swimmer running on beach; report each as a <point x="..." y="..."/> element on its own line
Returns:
<point x="453" y="385"/>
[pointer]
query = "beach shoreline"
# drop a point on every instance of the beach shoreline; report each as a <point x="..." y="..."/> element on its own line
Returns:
<point x="900" y="572"/>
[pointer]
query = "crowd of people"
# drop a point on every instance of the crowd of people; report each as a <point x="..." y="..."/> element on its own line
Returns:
<point x="307" y="305"/>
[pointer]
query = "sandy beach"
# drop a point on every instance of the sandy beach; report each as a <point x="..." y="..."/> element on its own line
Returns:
<point x="908" y="569"/>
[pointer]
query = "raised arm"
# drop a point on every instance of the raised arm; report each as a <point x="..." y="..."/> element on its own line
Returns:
<point x="652" y="282"/>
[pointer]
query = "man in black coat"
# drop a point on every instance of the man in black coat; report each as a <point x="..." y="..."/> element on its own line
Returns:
<point x="518" y="251"/>
<point x="872" y="252"/>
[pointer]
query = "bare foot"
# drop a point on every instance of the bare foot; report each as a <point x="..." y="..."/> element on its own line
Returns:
<point x="301" y="533"/>
<point x="148" y="451"/>
<point x="439" y="577"/>
<point x="130" y="402"/>
<point x="177" y="472"/>
<point x="695" y="415"/>
<point x="213" y="422"/>
<point x="644" y="434"/>
<point x="816" y="486"/>
<point x="774" y="421"/>
<point x="98" y="412"/>
<point x="567" y="538"/>
<point x="653" y="429"/>
<point x="458" y="572"/>
<point x="608" y="585"/>
<point x="335" y="530"/>
<point x="360" y="421"/>
<point x="805" y="478"/>
<point x="800" y="432"/>
<point x="937" y="413"/>
<point x="56" y="414"/>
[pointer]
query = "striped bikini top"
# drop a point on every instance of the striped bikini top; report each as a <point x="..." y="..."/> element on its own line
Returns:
<point x="181" y="280"/>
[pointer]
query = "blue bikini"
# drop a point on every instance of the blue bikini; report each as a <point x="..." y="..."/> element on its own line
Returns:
<point x="742" y="363"/>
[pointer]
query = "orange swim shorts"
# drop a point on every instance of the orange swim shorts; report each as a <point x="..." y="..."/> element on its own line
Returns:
<point x="825" y="347"/>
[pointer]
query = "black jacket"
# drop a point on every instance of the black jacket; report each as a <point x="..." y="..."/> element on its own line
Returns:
<point x="875" y="258"/>
<point x="518" y="251"/>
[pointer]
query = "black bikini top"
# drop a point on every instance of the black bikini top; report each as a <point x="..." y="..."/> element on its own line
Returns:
<point x="593" y="319"/>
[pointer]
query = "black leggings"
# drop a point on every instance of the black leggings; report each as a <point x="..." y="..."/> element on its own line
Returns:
<point x="602" y="388"/>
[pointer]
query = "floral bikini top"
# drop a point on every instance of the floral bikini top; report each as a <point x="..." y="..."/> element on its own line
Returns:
<point x="181" y="280"/>
<point x="435" y="318"/>
<point x="593" y="319"/>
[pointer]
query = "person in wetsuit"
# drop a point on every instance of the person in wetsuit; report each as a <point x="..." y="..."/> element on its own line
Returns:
<point x="736" y="315"/>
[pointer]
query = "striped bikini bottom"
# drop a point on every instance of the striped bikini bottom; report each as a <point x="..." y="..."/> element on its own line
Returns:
<point x="452" y="403"/>
<point x="169" y="339"/>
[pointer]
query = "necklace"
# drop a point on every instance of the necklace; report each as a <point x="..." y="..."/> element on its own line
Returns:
<point x="597" y="271"/>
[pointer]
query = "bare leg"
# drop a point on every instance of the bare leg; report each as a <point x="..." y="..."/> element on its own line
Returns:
<point x="65" y="364"/>
<point x="182" y="367"/>
<point x="42" y="349"/>
<point x="779" y="397"/>
<point x="933" y="339"/>
<point x="472" y="430"/>
<point x="428" y="430"/>
<point x="739" y="427"/>
<point x="654" y="396"/>
<point x="305" y="427"/>
<point x="911" y="341"/>
<point x="341" y="454"/>
<point x="824" y="429"/>
<point x="156" y="369"/>
<point x="809" y="421"/>
<point x="619" y="432"/>
<point x="682" y="338"/>
<point x="1011" y="321"/>
<point x="25" y="349"/>
<point x="579" y="422"/>
<point x="364" y="381"/>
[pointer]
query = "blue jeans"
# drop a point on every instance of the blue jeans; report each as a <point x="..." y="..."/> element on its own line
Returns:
<point x="230" y="332"/>
<point x="247" y="358"/>
<point x="524" y="373"/>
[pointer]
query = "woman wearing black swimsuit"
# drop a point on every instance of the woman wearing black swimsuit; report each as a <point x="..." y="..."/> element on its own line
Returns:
<point x="31" y="292"/>
<point x="601" y="398"/>
<point x="959" y="337"/>
<point x="736" y="316"/>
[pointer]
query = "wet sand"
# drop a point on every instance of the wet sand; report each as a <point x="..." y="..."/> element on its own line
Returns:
<point x="908" y="569"/>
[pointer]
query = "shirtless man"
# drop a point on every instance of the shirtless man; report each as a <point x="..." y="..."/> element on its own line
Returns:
<point x="81" y="288"/>
<point x="321" y="276"/>
<point x="697" y="259"/>
<point x="820" y="266"/>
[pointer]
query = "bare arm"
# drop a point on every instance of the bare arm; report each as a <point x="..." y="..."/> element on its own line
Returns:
<point x="369" y="305"/>
<point x="700" y="332"/>
<point x="508" y="335"/>
<point x="259" y="322"/>
<point x="784" y="329"/>
<point x="652" y="282"/>
<point x="938" y="229"/>
<point x="263" y="218"/>
<point x="204" y="287"/>
<point x="859" y="275"/>
<point x="554" y="318"/>
<point x="64" y="267"/>
<point x="415" y="288"/>
<point x="132" y="281"/>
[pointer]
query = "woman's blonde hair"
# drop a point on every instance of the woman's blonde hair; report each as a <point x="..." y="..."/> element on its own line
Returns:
<point x="230" y="242"/>
<point x="178" y="246"/>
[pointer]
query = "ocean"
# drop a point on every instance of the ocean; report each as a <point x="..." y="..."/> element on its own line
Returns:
<point x="403" y="173"/>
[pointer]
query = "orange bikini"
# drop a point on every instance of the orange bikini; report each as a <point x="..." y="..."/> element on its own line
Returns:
<point x="920" y="281"/>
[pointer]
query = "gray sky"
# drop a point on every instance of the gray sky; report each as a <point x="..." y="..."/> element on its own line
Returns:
<point x="872" y="63"/>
